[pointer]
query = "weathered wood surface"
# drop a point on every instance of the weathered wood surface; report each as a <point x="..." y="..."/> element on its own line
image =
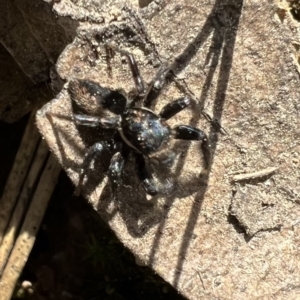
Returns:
<point x="212" y="238"/>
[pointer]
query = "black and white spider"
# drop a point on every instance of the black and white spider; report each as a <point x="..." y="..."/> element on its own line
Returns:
<point x="135" y="127"/>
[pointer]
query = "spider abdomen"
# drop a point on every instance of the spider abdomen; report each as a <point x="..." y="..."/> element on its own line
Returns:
<point x="143" y="130"/>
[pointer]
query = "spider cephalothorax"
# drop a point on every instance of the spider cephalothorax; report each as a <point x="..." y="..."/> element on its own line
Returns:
<point x="135" y="126"/>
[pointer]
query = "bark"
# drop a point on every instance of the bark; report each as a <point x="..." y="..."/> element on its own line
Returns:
<point x="233" y="59"/>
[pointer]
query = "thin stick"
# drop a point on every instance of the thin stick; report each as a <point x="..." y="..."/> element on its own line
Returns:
<point x="23" y="202"/>
<point x="26" y="238"/>
<point x="258" y="174"/>
<point x="18" y="173"/>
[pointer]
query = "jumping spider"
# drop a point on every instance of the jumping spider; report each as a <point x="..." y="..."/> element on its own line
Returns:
<point x="136" y="128"/>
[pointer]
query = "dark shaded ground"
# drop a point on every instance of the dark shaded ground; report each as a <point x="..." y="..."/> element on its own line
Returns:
<point x="10" y="138"/>
<point x="76" y="255"/>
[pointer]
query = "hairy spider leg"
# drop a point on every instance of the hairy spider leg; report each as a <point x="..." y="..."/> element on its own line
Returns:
<point x="173" y="108"/>
<point x="94" y="121"/>
<point x="90" y="121"/>
<point x="157" y="83"/>
<point x="184" y="132"/>
<point x="115" y="172"/>
<point x="156" y="86"/>
<point x="139" y="83"/>
<point x="145" y="175"/>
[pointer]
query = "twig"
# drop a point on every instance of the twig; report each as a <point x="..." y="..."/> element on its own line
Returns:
<point x="202" y="282"/>
<point x="18" y="173"/>
<point x="258" y="174"/>
<point x="26" y="239"/>
<point x="23" y="203"/>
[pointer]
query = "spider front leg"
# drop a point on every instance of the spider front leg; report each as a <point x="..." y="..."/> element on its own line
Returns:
<point x="184" y="132"/>
<point x="112" y="122"/>
<point x="156" y="85"/>
<point x="173" y="108"/>
<point x="139" y="83"/>
<point x="93" y="121"/>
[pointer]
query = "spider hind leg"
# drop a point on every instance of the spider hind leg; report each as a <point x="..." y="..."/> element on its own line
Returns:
<point x="150" y="185"/>
<point x="89" y="158"/>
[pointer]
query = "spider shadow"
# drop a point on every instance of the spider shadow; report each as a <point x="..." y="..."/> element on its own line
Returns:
<point x="221" y="26"/>
<point x="131" y="201"/>
<point x="133" y="206"/>
<point x="222" y="23"/>
<point x="139" y="213"/>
